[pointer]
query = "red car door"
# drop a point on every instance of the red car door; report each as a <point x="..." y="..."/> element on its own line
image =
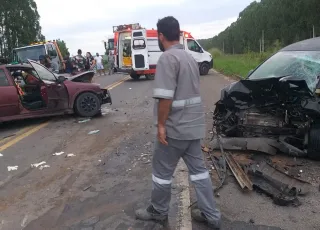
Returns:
<point x="9" y="98"/>
<point x="55" y="93"/>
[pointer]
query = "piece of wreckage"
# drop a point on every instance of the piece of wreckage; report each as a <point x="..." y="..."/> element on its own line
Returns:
<point x="276" y="109"/>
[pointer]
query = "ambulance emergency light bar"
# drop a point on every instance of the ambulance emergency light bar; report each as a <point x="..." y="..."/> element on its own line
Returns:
<point x="119" y="28"/>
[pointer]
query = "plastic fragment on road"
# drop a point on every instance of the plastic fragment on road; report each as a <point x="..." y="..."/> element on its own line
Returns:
<point x="93" y="132"/>
<point x="71" y="155"/>
<point x="1" y="155"/>
<point x="36" y="165"/>
<point x="84" y="121"/>
<point x="130" y="88"/>
<point x="12" y="168"/>
<point x="44" y="166"/>
<point x="58" y="154"/>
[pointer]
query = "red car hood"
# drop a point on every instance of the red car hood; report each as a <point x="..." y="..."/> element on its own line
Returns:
<point x="85" y="77"/>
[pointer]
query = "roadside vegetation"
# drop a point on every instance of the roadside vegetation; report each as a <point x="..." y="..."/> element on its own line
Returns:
<point x="237" y="65"/>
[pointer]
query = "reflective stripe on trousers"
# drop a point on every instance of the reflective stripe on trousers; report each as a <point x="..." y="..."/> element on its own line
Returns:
<point x="164" y="162"/>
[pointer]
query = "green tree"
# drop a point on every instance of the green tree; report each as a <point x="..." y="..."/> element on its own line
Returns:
<point x="19" y="25"/>
<point x="282" y="23"/>
<point x="62" y="47"/>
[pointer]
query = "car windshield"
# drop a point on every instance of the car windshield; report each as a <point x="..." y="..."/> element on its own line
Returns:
<point x="301" y="64"/>
<point x="32" y="52"/>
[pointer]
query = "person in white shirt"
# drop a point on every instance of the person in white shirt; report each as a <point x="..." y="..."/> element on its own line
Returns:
<point x="99" y="64"/>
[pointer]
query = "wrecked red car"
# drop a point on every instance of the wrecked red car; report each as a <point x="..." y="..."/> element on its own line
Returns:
<point x="31" y="90"/>
<point x="276" y="109"/>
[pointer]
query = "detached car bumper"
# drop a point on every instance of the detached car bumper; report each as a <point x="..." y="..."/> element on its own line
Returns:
<point x="105" y="97"/>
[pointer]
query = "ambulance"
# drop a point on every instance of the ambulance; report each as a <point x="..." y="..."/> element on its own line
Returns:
<point x="137" y="52"/>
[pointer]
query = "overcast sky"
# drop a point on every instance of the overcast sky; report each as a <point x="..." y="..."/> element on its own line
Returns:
<point x="85" y="24"/>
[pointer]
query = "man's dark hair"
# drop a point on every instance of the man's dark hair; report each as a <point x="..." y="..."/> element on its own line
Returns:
<point x="170" y="28"/>
<point x="79" y="51"/>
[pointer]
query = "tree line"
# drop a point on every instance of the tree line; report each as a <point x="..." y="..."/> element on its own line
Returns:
<point x="268" y="25"/>
<point x="20" y="26"/>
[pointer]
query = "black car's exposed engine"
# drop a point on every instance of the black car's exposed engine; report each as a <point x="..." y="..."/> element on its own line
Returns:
<point x="279" y="110"/>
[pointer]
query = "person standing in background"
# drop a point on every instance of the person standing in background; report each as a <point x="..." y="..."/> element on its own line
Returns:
<point x="80" y="62"/>
<point x="90" y="62"/>
<point x="99" y="64"/>
<point x="111" y="62"/>
<point x="68" y="62"/>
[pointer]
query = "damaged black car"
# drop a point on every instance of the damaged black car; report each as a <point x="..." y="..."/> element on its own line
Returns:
<point x="277" y="107"/>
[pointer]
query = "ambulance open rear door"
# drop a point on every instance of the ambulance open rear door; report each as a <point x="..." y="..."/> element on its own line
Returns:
<point x="140" y="59"/>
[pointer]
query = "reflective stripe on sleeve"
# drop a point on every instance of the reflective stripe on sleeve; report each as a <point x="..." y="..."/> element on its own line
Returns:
<point x="200" y="176"/>
<point x="163" y="92"/>
<point x="160" y="181"/>
<point x="190" y="101"/>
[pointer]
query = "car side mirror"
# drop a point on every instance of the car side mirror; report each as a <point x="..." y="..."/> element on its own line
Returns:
<point x="61" y="79"/>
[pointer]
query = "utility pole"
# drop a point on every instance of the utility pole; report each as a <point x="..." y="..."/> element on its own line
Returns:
<point x="262" y="41"/>
<point x="260" y="45"/>
<point x="313" y="32"/>
<point x="223" y="46"/>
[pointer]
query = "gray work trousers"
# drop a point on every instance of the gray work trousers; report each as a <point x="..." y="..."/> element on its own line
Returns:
<point x="164" y="162"/>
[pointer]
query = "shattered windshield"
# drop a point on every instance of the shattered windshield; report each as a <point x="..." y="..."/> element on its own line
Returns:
<point x="300" y="64"/>
<point x="32" y="52"/>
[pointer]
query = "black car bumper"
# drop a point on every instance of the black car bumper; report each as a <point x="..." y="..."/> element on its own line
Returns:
<point x="105" y="97"/>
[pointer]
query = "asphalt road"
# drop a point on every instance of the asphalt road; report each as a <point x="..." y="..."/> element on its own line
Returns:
<point x="107" y="175"/>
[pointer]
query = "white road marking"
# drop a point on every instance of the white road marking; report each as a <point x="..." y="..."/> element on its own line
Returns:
<point x="71" y="155"/>
<point x="184" y="214"/>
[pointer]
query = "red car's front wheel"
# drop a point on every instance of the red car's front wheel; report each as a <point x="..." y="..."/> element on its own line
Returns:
<point x="87" y="104"/>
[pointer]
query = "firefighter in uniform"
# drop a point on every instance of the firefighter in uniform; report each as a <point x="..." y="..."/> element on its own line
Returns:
<point x="180" y="121"/>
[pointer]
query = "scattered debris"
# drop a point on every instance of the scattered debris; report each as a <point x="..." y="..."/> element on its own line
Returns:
<point x="36" y="165"/>
<point x="86" y="188"/>
<point x="205" y="149"/>
<point x="11" y="135"/>
<point x="24" y="221"/>
<point x="94" y="132"/>
<point x="84" y="121"/>
<point x="130" y="88"/>
<point x="282" y="187"/>
<point x="70" y="155"/>
<point x="238" y="172"/>
<point x="58" y="154"/>
<point x="12" y="168"/>
<point x="1" y="155"/>
<point x="148" y="144"/>
<point x="251" y="221"/>
<point x="99" y="160"/>
<point x="44" y="166"/>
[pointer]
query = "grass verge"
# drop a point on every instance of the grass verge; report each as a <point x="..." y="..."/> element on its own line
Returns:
<point x="237" y="65"/>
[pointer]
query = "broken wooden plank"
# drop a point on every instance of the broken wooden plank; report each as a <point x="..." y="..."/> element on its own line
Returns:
<point x="238" y="172"/>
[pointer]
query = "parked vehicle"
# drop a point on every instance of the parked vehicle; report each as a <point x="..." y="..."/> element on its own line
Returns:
<point x="277" y="107"/>
<point x="31" y="90"/>
<point x="137" y="51"/>
<point x="34" y="50"/>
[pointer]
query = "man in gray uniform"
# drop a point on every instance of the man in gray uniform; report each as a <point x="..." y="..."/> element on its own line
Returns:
<point x="180" y="119"/>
